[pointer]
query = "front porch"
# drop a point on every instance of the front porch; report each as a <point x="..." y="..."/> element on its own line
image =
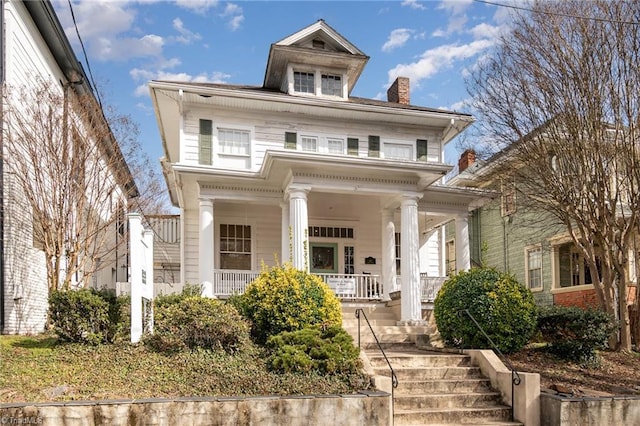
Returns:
<point x="348" y="287"/>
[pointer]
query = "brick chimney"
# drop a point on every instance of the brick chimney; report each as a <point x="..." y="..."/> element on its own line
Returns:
<point x="467" y="158"/>
<point x="399" y="91"/>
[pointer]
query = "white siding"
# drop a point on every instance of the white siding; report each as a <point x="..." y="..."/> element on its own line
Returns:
<point x="268" y="133"/>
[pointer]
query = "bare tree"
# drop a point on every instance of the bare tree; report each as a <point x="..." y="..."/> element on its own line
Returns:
<point x="74" y="181"/>
<point x="559" y="97"/>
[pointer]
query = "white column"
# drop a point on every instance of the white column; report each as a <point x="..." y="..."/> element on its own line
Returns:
<point x="206" y="247"/>
<point x="388" y="253"/>
<point x="463" y="259"/>
<point x="286" y="256"/>
<point x="299" y="222"/>
<point x="411" y="304"/>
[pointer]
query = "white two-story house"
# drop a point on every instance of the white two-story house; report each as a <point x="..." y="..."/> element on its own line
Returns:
<point x="35" y="51"/>
<point x="299" y="171"/>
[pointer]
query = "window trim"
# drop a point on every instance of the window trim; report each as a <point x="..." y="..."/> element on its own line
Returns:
<point x="219" y="156"/>
<point x="400" y="143"/>
<point x="527" y="251"/>
<point x="232" y="129"/>
<point x="230" y="220"/>
<point x="292" y="69"/>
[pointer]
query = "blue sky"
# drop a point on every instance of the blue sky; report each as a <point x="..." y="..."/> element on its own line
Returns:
<point x="128" y="43"/>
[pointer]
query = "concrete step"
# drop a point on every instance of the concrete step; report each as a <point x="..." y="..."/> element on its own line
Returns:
<point x="448" y="386"/>
<point x="416" y="359"/>
<point x="475" y="416"/>
<point x="430" y="373"/>
<point x="455" y="400"/>
<point x="378" y="322"/>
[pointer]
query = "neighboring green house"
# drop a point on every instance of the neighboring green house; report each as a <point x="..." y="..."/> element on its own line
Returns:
<point x="529" y="245"/>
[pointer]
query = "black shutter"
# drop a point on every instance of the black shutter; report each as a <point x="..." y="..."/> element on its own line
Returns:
<point x="204" y="142"/>
<point x="374" y="146"/>
<point x="421" y="149"/>
<point x="352" y="146"/>
<point x="290" y="139"/>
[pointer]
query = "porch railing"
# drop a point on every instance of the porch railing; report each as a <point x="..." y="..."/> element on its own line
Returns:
<point x="354" y="286"/>
<point x="227" y="282"/>
<point x="430" y="287"/>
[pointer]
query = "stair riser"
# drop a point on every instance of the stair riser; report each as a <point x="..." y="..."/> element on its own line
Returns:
<point x="449" y="417"/>
<point x="446" y="401"/>
<point x="422" y="361"/>
<point x="417" y="374"/>
<point x="440" y="386"/>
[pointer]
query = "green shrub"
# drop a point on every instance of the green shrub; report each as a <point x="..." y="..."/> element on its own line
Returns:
<point x="189" y="290"/>
<point x="575" y="334"/>
<point x="322" y="350"/>
<point x="80" y="316"/>
<point x="505" y="309"/>
<point x="198" y="322"/>
<point x="286" y="299"/>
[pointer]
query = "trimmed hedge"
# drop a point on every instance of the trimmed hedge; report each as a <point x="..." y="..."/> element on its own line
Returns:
<point x="323" y="350"/>
<point x="574" y="334"/>
<point x="86" y="315"/>
<point x="286" y="299"/>
<point x="198" y="322"/>
<point x="504" y="308"/>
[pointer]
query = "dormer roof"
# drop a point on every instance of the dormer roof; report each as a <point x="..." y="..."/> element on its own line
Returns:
<point x="317" y="45"/>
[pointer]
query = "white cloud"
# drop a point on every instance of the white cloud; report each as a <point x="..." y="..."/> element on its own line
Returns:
<point x="435" y="60"/>
<point x="119" y="49"/>
<point x="413" y="4"/>
<point x="186" y="36"/>
<point x="485" y="31"/>
<point x="198" y="6"/>
<point x="235" y="15"/>
<point x="455" y="7"/>
<point x="397" y="38"/>
<point x="457" y="16"/>
<point x="145" y="75"/>
<point x="235" y="22"/>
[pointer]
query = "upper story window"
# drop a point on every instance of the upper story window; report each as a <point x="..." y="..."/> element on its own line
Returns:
<point x="331" y="85"/>
<point x="398" y="151"/>
<point x="234" y="142"/>
<point x="317" y="82"/>
<point x="309" y="143"/>
<point x="304" y="82"/>
<point x="335" y="146"/>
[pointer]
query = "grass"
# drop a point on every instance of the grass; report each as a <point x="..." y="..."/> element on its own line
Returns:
<point x="33" y="365"/>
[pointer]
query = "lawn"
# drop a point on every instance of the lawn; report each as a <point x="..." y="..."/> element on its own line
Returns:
<point x="41" y="368"/>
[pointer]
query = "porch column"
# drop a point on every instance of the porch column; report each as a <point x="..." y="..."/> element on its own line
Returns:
<point x="205" y="257"/>
<point x="286" y="256"/>
<point x="463" y="259"/>
<point x="411" y="305"/>
<point x="388" y="253"/>
<point x="299" y="222"/>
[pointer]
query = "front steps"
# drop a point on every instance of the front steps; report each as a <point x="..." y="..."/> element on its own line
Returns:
<point x="434" y="388"/>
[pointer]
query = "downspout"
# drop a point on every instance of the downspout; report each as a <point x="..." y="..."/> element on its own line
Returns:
<point x="2" y="82"/>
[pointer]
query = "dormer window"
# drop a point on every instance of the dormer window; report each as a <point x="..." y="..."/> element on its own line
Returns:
<point x="304" y="82"/>
<point x="318" y="82"/>
<point x="331" y="85"/>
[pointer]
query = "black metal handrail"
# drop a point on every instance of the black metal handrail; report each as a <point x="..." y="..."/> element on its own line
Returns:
<point x="394" y="378"/>
<point x="515" y="377"/>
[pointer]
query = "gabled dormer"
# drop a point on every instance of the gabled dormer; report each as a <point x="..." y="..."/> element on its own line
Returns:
<point x="316" y="61"/>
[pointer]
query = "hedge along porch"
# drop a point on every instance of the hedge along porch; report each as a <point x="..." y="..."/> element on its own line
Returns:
<point x="298" y="170"/>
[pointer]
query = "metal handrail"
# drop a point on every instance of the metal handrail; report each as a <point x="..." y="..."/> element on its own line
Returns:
<point x="394" y="378"/>
<point x="515" y="377"/>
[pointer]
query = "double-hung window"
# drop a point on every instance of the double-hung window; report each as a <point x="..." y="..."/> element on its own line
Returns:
<point x="235" y="247"/>
<point x="534" y="267"/>
<point x="331" y="85"/>
<point x="309" y="143"/>
<point x="398" y="151"/>
<point x="304" y="82"/>
<point x="234" y="142"/>
<point x="335" y="146"/>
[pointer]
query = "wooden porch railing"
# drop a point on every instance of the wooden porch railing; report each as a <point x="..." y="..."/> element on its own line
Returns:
<point x="227" y="282"/>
